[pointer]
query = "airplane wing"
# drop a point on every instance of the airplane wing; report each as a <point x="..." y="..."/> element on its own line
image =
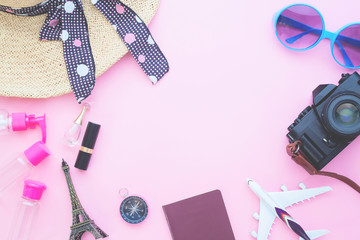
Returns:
<point x="266" y="220"/>
<point x="288" y="198"/>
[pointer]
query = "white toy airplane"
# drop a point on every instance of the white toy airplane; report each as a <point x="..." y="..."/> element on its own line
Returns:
<point x="272" y="205"/>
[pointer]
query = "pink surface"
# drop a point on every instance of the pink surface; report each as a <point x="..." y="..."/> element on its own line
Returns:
<point x="219" y="116"/>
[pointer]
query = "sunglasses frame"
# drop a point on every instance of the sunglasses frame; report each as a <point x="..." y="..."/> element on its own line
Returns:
<point x="325" y="34"/>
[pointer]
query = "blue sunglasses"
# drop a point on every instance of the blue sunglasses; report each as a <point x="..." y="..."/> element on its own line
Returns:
<point x="301" y="27"/>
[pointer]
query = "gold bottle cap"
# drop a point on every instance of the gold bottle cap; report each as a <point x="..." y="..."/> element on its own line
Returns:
<point x="79" y="119"/>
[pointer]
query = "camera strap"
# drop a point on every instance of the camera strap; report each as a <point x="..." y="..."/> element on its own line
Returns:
<point x="293" y="151"/>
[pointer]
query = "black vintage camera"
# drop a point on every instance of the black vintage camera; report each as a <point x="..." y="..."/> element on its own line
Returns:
<point x="331" y="123"/>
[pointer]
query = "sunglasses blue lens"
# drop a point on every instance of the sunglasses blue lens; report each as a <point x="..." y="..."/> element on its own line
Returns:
<point x="299" y="27"/>
<point x="347" y="46"/>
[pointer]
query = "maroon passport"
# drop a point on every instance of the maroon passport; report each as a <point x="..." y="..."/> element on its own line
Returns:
<point x="202" y="217"/>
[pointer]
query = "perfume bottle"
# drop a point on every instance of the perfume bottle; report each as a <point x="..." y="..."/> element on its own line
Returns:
<point x="21" y="166"/>
<point x="72" y="135"/>
<point x="27" y="208"/>
<point x="20" y="122"/>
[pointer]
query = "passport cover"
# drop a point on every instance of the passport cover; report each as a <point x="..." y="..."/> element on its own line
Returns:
<point x="202" y="217"/>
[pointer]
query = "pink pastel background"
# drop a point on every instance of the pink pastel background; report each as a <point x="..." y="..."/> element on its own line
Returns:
<point x="218" y="117"/>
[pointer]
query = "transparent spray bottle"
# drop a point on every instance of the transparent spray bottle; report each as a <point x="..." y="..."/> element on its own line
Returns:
<point x="20" y="122"/>
<point x="21" y="167"/>
<point x="27" y="209"/>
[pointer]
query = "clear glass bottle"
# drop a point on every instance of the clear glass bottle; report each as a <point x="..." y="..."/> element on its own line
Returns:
<point x="20" y="122"/>
<point x="20" y="167"/>
<point x="72" y="134"/>
<point x="27" y="209"/>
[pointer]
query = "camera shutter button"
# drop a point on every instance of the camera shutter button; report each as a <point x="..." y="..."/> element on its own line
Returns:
<point x="344" y="76"/>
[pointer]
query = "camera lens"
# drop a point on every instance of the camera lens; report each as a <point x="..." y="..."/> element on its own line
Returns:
<point x="341" y="115"/>
<point x="347" y="114"/>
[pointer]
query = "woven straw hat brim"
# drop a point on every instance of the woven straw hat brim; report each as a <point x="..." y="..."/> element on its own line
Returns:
<point x="36" y="69"/>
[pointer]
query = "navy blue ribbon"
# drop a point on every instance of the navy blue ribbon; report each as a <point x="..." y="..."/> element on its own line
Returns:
<point x="66" y="21"/>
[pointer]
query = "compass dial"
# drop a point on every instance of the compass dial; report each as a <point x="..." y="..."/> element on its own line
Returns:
<point x="133" y="209"/>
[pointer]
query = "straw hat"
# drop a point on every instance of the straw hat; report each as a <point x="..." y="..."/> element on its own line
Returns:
<point x="36" y="69"/>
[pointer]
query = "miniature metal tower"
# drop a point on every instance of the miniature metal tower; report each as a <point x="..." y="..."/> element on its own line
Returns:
<point x="81" y="222"/>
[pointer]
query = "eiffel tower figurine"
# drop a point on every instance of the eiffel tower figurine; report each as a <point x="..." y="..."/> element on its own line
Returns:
<point x="81" y="222"/>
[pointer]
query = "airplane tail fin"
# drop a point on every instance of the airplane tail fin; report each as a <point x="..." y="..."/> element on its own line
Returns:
<point x="316" y="233"/>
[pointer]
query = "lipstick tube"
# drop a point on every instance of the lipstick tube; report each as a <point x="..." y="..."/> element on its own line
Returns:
<point x="87" y="146"/>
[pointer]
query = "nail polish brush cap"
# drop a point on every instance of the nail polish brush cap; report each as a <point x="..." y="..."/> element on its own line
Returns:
<point x="87" y="146"/>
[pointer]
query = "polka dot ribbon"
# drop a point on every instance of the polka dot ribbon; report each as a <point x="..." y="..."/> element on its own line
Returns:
<point x="66" y="21"/>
